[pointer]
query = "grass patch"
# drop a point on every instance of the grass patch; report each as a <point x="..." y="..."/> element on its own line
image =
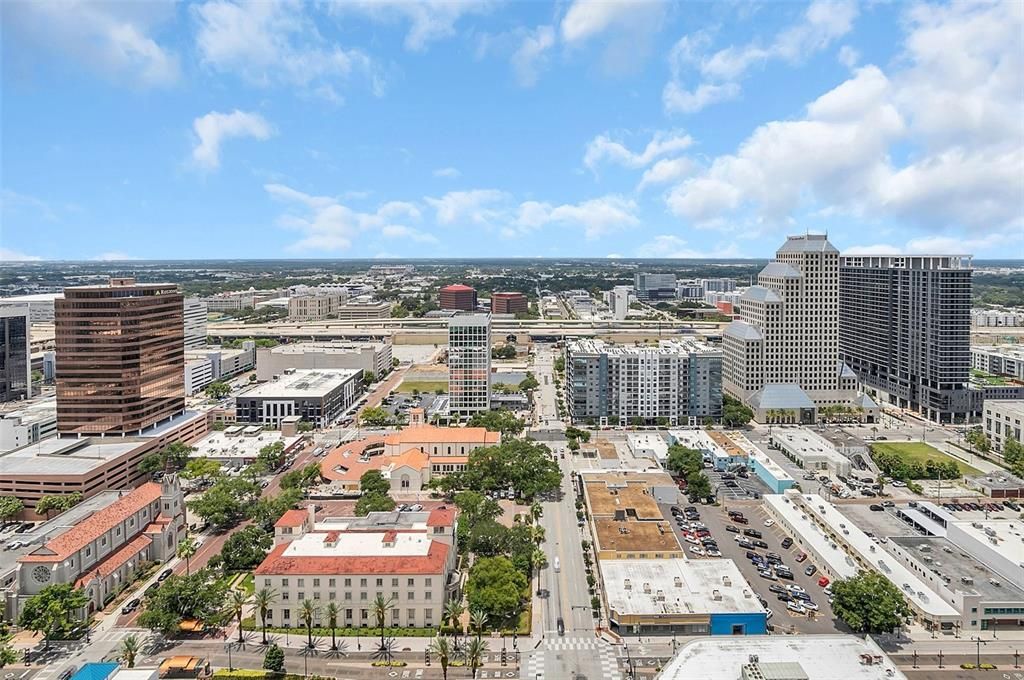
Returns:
<point x="919" y="452"/>
<point x="429" y="386"/>
<point x="248" y="584"/>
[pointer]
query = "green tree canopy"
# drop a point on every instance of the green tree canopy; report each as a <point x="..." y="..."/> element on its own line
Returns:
<point x="217" y="390"/>
<point x="198" y="596"/>
<point x="54" y="611"/>
<point x="502" y="420"/>
<point x="58" y="502"/>
<point x="684" y="461"/>
<point x="226" y="502"/>
<point x="267" y="510"/>
<point x="201" y="468"/>
<point x="273" y="660"/>
<point x="375" y="416"/>
<point x="869" y="603"/>
<point x="246" y="548"/>
<point x="373" y="481"/>
<point x="271" y="456"/>
<point x="174" y="456"/>
<point x="496" y="587"/>
<point x="735" y="413"/>
<point x="10" y="507"/>
<point x="523" y="465"/>
<point x="1013" y="454"/>
<point x="698" y="486"/>
<point x="374" y="502"/>
<point x="303" y="478"/>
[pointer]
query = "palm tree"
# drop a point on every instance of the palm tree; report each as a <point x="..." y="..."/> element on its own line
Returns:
<point x="474" y="653"/>
<point x="307" y="612"/>
<point x="236" y="605"/>
<point x="540" y="560"/>
<point x="478" y="619"/>
<point x="440" y="648"/>
<point x="129" y="650"/>
<point x="186" y="549"/>
<point x="381" y="606"/>
<point x="538" y="534"/>
<point x="453" y="611"/>
<point x="536" y="510"/>
<point x="264" y="600"/>
<point x="332" y="621"/>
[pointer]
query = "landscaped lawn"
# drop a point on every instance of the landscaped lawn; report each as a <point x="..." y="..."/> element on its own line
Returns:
<point x="919" y="452"/>
<point x="425" y="386"/>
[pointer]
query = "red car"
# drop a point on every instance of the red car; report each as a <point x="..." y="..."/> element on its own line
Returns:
<point x="801" y="557"/>
<point x="823" y="581"/>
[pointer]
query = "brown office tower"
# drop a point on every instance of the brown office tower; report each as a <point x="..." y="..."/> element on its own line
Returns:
<point x="458" y="296"/>
<point x="120" y="357"/>
<point x="509" y="303"/>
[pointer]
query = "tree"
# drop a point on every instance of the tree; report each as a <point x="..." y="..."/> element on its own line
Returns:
<point x="735" y="413"/>
<point x="196" y="596"/>
<point x="453" y="611"/>
<point x="246" y="548"/>
<point x="186" y="549"/>
<point x="7" y="654"/>
<point x="869" y="603"/>
<point x="333" y="611"/>
<point x="303" y="478"/>
<point x="307" y="612"/>
<point x="506" y="351"/>
<point x="502" y="420"/>
<point x="267" y="510"/>
<point x="375" y="416"/>
<point x="440" y="648"/>
<point x="223" y="504"/>
<point x="217" y="390"/>
<point x="380" y="607"/>
<point x="523" y="465"/>
<point x="373" y="481"/>
<point x="1013" y="454"/>
<point x="977" y="438"/>
<point x="369" y="377"/>
<point x="53" y="611"/>
<point x="528" y="383"/>
<point x="698" y="486"/>
<point x="58" y="503"/>
<point x="478" y="620"/>
<point x="172" y="457"/>
<point x="271" y="455"/>
<point x="10" y="507"/>
<point x="684" y="462"/>
<point x="476" y="650"/>
<point x="129" y="650"/>
<point x="203" y="469"/>
<point x="236" y="608"/>
<point x="263" y="600"/>
<point x="273" y="660"/>
<point x="496" y="587"/>
<point x="374" y="502"/>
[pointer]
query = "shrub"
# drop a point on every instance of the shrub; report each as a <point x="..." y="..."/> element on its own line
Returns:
<point x="273" y="660"/>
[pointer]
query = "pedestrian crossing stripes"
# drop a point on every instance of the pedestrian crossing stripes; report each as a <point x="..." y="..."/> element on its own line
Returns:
<point x="574" y="643"/>
<point x="535" y="662"/>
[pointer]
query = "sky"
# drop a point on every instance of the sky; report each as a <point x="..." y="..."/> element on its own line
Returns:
<point x="375" y="128"/>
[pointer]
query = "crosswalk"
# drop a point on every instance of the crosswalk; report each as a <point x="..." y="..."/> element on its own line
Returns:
<point x="102" y="645"/>
<point x="535" y="663"/>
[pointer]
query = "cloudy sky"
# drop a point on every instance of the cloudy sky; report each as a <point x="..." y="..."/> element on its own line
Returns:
<point x="375" y="128"/>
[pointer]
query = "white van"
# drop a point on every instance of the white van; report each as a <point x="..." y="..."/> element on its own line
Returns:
<point x="557" y="565"/>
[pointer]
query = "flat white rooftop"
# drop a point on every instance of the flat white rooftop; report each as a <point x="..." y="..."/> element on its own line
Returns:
<point x="822" y="657"/>
<point x="807" y="444"/>
<point x="773" y="468"/>
<point x="840" y="563"/>
<point x="303" y="383"/>
<point x="920" y="595"/>
<point x="677" y="586"/>
<point x="698" y="439"/>
<point x="221" y="445"/>
<point x="646" y="440"/>
<point x="1006" y="537"/>
<point x="359" y="544"/>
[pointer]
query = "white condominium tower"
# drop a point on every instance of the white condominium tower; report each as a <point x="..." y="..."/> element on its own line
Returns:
<point x="788" y="332"/>
<point x="469" y="363"/>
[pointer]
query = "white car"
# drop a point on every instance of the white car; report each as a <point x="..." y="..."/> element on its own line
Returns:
<point x="697" y="550"/>
<point x="713" y="553"/>
<point x="796" y="607"/>
<point x="810" y="606"/>
<point x="897" y="482"/>
<point x="794" y="588"/>
<point x="769" y="522"/>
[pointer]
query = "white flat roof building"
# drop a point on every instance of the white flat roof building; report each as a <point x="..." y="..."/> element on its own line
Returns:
<point x="648" y="445"/>
<point x="813" y="520"/>
<point x="303" y="383"/>
<point x="237" y="446"/>
<point x="809" y="450"/>
<point x="816" y="657"/>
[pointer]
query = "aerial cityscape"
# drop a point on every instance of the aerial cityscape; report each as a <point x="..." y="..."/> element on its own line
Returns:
<point x="598" y="339"/>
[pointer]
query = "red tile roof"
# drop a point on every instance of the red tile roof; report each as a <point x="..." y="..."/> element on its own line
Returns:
<point x="442" y="516"/>
<point x="292" y="518"/>
<point x="431" y="434"/>
<point x="115" y="560"/>
<point x="277" y="564"/>
<point x="94" y="526"/>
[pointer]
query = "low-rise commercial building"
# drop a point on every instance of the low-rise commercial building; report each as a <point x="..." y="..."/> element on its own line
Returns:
<point x="1003" y="420"/>
<point x="100" y="553"/>
<point x="648" y="445"/>
<point x="717" y="448"/>
<point x="809" y="450"/>
<point x="27" y="422"/>
<point x="680" y="597"/>
<point x="313" y="307"/>
<point x="236" y="446"/>
<point x="626" y="520"/>
<point x="677" y="382"/>
<point x="782" y="657"/>
<point x="999" y="484"/>
<point x="364" y="307"/>
<point x="318" y="396"/>
<point x="771" y="473"/>
<point x="997" y="317"/>
<point x="198" y="375"/>
<point x="368" y="357"/>
<point x="409" y="557"/>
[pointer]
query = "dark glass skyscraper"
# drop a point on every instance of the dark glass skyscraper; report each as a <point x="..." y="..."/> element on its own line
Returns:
<point x="15" y="377"/>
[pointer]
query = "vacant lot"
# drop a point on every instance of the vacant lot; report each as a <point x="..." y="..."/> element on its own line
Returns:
<point x="919" y="452"/>
<point x="431" y="386"/>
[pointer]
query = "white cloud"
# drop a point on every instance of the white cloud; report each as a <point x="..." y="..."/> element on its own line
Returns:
<point x="940" y="245"/>
<point x="848" y="56"/>
<point x="604" y="149"/>
<point x="627" y="26"/>
<point x="674" y="247"/>
<point x="936" y="143"/>
<point x="479" y="206"/>
<point x="429" y="20"/>
<point x="821" y="24"/>
<point x="597" y="217"/>
<point x="529" y="59"/>
<point x="665" y="171"/>
<point x="326" y="225"/>
<point x="8" y="255"/>
<point x="215" y="127"/>
<point x="112" y="38"/>
<point x="270" y="43"/>
<point x="449" y="172"/>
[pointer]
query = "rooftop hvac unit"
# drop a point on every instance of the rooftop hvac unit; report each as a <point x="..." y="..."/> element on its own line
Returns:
<point x="627" y="585"/>
<point x="678" y="582"/>
<point x="647" y="588"/>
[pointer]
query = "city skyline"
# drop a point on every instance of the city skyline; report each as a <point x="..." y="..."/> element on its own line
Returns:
<point x="531" y="130"/>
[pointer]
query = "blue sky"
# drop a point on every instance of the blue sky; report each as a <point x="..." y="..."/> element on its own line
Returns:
<point x="398" y="129"/>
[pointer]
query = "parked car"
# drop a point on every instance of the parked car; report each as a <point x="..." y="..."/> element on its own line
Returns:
<point x="801" y="557"/>
<point x="797" y="595"/>
<point x="810" y="570"/>
<point x="796" y="607"/>
<point x="823" y="582"/>
<point x="769" y="522"/>
<point x="759" y="543"/>
<point x="875" y="507"/>
<point x="131" y="606"/>
<point x="164" y="574"/>
<point x="731" y="529"/>
<point x="787" y="542"/>
<point x="775" y="588"/>
<point x="68" y="672"/>
<point x="753" y="533"/>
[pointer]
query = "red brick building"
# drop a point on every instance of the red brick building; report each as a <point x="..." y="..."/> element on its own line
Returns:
<point x="458" y="296"/>
<point x="509" y="303"/>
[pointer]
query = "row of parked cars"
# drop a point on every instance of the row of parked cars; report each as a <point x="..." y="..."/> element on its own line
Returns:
<point x="702" y="543"/>
<point x="982" y="507"/>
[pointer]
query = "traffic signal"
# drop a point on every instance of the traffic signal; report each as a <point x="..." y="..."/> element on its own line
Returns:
<point x="426" y="657"/>
<point x="504" y="657"/>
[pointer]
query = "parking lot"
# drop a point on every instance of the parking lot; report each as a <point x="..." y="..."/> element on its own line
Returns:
<point x="731" y="487"/>
<point x="716" y="520"/>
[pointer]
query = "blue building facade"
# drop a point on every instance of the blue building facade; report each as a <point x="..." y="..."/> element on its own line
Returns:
<point x="739" y="624"/>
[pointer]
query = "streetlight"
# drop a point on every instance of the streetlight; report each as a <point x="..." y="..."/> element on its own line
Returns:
<point x="978" y="643"/>
<point x="231" y="666"/>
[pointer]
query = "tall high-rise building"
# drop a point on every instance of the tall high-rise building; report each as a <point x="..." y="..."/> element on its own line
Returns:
<point x="195" y="322"/>
<point x="457" y="296"/>
<point x="120" y="357"/>
<point x="904" y="329"/>
<point x="679" y="381"/>
<point x="509" y="303"/>
<point x="15" y="359"/>
<point x="788" y="331"/>
<point x="469" y="363"/>
<point x="659" y="286"/>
